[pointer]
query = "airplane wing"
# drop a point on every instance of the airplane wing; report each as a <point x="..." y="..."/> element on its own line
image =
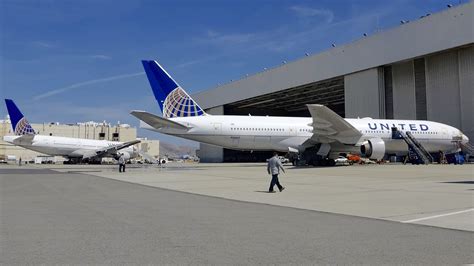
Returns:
<point x="156" y="121"/>
<point x="105" y="151"/>
<point x="330" y="127"/>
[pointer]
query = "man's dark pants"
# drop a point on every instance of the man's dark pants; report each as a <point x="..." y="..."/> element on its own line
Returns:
<point x="275" y="182"/>
<point x="121" y="166"/>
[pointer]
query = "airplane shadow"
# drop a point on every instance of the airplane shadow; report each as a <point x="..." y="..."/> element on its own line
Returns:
<point x="470" y="182"/>
<point x="312" y="167"/>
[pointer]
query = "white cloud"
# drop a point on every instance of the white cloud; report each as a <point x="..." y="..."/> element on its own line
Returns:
<point x="286" y="37"/>
<point x="189" y="63"/>
<point x="101" y="57"/>
<point x="306" y="12"/>
<point x="85" y="83"/>
<point x="227" y="39"/>
<point x="43" y="44"/>
<point x="235" y="38"/>
<point x="211" y="33"/>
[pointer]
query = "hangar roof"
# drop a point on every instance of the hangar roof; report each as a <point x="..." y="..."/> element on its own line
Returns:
<point x="293" y="101"/>
<point x="441" y="31"/>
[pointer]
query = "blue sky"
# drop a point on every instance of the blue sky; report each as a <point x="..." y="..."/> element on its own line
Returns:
<point x="71" y="61"/>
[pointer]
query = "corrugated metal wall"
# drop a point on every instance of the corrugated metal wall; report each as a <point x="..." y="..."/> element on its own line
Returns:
<point x="403" y="90"/>
<point x="362" y="94"/>
<point x="442" y="88"/>
<point x="381" y="89"/>
<point x="420" y="88"/>
<point x="388" y="84"/>
<point x="466" y="89"/>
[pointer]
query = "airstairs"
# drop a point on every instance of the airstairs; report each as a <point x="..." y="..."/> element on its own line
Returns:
<point x="419" y="149"/>
<point x="468" y="148"/>
<point x="415" y="149"/>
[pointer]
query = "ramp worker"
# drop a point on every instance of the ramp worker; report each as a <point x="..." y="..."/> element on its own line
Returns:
<point x="121" y="162"/>
<point x="273" y="167"/>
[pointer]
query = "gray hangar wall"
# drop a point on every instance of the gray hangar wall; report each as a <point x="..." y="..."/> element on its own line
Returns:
<point x="437" y="87"/>
<point x="363" y="94"/>
<point x="420" y="70"/>
<point x="450" y="89"/>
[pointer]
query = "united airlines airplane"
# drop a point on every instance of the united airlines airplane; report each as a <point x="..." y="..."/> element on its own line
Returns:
<point x="74" y="149"/>
<point x="325" y="132"/>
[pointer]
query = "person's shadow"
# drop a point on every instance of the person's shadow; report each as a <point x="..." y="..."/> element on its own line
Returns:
<point x="262" y="191"/>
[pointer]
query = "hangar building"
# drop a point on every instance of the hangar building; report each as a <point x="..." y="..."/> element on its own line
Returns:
<point x="422" y="69"/>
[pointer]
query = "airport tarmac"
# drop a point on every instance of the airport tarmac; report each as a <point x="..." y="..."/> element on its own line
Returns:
<point x="435" y="195"/>
<point x="73" y="215"/>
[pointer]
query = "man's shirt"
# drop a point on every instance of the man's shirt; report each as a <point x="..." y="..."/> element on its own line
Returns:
<point x="274" y="166"/>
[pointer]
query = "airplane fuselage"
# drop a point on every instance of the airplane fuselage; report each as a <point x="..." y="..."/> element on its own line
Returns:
<point x="64" y="146"/>
<point x="293" y="133"/>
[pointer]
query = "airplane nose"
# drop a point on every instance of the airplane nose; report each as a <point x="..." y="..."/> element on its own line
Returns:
<point x="465" y="139"/>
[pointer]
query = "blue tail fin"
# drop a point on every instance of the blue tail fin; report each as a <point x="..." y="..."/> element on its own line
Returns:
<point x="173" y="100"/>
<point x="19" y="123"/>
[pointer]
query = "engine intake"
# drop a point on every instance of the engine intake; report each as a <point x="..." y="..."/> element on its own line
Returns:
<point x="373" y="149"/>
<point x="125" y="154"/>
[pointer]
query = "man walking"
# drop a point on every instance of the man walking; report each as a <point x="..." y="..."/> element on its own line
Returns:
<point x="273" y="168"/>
<point x="121" y="162"/>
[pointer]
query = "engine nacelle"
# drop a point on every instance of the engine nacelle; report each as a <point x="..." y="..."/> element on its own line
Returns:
<point x="373" y="149"/>
<point x="125" y="154"/>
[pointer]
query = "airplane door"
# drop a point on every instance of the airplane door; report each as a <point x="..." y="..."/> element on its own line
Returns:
<point x="292" y="131"/>
<point x="217" y="128"/>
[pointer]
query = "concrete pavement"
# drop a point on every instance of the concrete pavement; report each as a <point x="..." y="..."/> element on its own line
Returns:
<point x="402" y="193"/>
<point x="69" y="218"/>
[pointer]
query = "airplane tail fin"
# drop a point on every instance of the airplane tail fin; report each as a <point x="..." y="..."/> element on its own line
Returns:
<point x="19" y="123"/>
<point x="172" y="99"/>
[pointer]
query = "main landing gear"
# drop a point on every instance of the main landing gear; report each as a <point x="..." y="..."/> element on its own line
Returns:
<point x="309" y="158"/>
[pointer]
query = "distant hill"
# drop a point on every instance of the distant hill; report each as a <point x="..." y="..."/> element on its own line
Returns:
<point x="173" y="150"/>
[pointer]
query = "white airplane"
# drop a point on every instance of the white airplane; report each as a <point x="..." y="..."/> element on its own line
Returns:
<point x="74" y="149"/>
<point x="325" y="133"/>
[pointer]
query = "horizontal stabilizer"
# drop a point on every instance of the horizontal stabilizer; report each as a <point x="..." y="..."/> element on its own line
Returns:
<point x="329" y="126"/>
<point x="19" y="140"/>
<point x="156" y="121"/>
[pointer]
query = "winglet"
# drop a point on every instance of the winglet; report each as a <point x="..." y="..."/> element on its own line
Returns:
<point x="19" y="123"/>
<point x="172" y="99"/>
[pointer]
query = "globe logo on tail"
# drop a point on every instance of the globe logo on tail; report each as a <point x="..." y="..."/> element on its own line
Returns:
<point x="179" y="104"/>
<point x="24" y="128"/>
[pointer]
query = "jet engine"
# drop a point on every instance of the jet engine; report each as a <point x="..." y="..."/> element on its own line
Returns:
<point x="373" y="148"/>
<point x="126" y="155"/>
